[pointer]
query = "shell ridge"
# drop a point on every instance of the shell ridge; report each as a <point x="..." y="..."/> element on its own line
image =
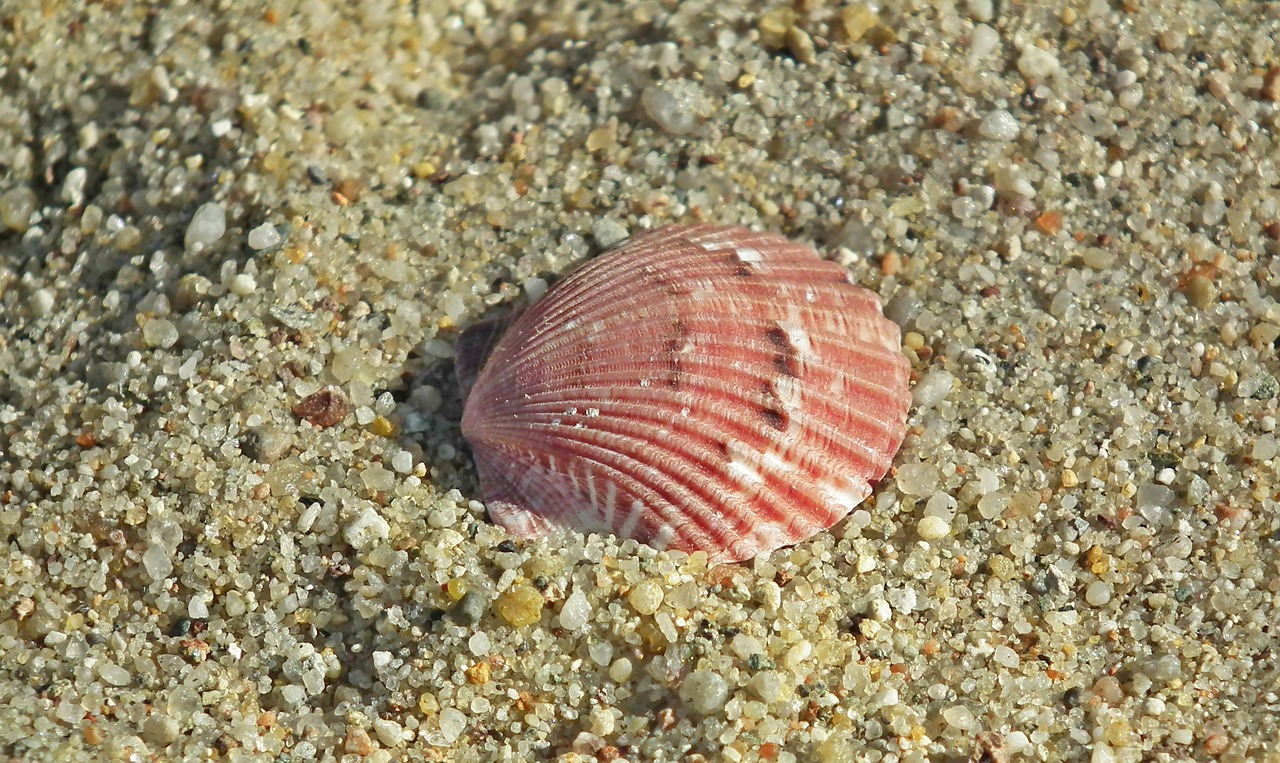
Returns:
<point x="859" y="443"/>
<point x="701" y="387"/>
<point x="709" y="488"/>
<point x="801" y="479"/>
<point x="648" y="329"/>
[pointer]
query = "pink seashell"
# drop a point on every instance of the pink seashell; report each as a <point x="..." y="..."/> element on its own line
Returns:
<point x="697" y="388"/>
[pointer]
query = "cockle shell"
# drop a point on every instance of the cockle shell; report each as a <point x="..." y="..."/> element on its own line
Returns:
<point x="698" y="388"/>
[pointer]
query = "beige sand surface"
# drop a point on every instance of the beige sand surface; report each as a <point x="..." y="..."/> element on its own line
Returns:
<point x="209" y="212"/>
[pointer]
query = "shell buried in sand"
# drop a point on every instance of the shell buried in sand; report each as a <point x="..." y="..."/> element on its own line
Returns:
<point x="697" y="388"/>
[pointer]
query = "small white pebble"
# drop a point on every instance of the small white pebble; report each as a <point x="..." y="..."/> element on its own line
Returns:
<point x="264" y="236"/>
<point x="958" y="716"/>
<point x="452" y="723"/>
<point x="576" y="612"/>
<point x="402" y="462"/>
<point x="389" y="732"/>
<point x="1098" y="593"/>
<point x="602" y="721"/>
<point x="207" y="225"/>
<point x="704" y="691"/>
<point x="73" y="186"/>
<point x="534" y="288"/>
<point x="16" y="206"/>
<point x="1036" y="63"/>
<point x="744" y="645"/>
<point x="981" y="10"/>
<point x="159" y="332"/>
<point x="797" y="654"/>
<point x="620" y="670"/>
<point x="41" y="302"/>
<point x="479" y="644"/>
<point x="983" y="41"/>
<point x="1005" y="657"/>
<point x="933" y="528"/>
<point x="646" y="597"/>
<point x="884" y="698"/>
<point x="366" y="529"/>
<point x="767" y="685"/>
<point x="999" y="125"/>
<point x="243" y="284"/>
<point x="114" y="674"/>
<point x="919" y="479"/>
<point x="161" y="730"/>
<point x="157" y="562"/>
<point x="932" y="388"/>
<point x="608" y="231"/>
<point x="669" y="112"/>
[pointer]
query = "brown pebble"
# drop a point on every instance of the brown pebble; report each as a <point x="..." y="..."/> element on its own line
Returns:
<point x="357" y="742"/>
<point x="1049" y="222"/>
<point x="948" y="118"/>
<point x="989" y="747"/>
<point x="1272" y="229"/>
<point x="1216" y="744"/>
<point x="92" y="735"/>
<point x="666" y="718"/>
<point x="478" y="674"/>
<point x="86" y="440"/>
<point x="325" y="408"/>
<point x="1271" y="84"/>
<point x="348" y="188"/>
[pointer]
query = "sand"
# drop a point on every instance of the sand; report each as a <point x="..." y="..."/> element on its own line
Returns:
<point x="237" y="243"/>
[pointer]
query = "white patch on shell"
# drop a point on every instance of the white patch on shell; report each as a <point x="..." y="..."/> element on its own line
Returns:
<point x="775" y="462"/>
<point x="716" y="245"/>
<point x="787" y="390"/>
<point x="743" y="254"/>
<point x="770" y="536"/>
<point x="633" y="519"/>
<point x="797" y="337"/>
<point x="740" y="466"/>
<point x="662" y="537"/>
<point x="610" y="502"/>
<point x="847" y="496"/>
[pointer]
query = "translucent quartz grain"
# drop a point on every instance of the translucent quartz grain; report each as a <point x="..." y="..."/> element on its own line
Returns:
<point x="207" y="225"/>
<point x="646" y="597"/>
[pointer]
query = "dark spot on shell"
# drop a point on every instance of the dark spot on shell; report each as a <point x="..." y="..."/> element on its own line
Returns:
<point x="670" y="285"/>
<point x="784" y="361"/>
<point x="774" y="417"/>
<point x="674" y="346"/>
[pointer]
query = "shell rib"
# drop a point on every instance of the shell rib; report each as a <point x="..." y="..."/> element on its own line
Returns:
<point x="698" y="388"/>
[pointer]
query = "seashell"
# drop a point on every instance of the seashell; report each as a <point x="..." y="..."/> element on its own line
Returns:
<point x="697" y="388"/>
